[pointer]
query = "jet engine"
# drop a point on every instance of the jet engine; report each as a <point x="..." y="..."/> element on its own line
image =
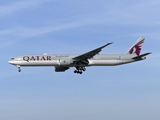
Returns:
<point x="61" y="69"/>
<point x="65" y="62"/>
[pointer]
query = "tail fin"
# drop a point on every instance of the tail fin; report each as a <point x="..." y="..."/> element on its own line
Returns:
<point x="136" y="48"/>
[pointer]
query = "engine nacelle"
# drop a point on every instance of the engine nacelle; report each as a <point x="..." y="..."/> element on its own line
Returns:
<point x="61" y="69"/>
<point x="65" y="62"/>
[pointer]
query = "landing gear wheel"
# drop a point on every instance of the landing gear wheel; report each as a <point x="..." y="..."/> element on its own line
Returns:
<point x="19" y="68"/>
<point x="80" y="69"/>
<point x="78" y="72"/>
<point x="84" y="69"/>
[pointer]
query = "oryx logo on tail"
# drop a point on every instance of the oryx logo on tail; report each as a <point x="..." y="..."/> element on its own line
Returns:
<point x="136" y="48"/>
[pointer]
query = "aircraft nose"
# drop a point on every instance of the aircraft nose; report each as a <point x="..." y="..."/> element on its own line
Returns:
<point x="11" y="62"/>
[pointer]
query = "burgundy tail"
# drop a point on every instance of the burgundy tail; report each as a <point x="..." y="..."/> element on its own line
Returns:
<point x="136" y="48"/>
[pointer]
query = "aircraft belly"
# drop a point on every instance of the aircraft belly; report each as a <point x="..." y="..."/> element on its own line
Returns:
<point x="38" y="63"/>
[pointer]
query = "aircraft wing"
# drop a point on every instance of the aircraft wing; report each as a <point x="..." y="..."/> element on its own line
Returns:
<point x="90" y="54"/>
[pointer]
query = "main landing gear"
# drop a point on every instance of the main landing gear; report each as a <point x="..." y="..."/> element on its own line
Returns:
<point x="79" y="70"/>
<point x="19" y="68"/>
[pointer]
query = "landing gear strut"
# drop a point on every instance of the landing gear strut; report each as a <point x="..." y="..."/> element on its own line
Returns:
<point x="79" y="70"/>
<point x="19" y="68"/>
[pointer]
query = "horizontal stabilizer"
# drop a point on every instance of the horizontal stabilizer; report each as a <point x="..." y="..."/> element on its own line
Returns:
<point x="140" y="56"/>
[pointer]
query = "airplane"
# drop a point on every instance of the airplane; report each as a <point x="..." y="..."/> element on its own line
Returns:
<point x="63" y="62"/>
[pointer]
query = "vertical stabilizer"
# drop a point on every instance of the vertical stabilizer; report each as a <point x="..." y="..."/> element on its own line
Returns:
<point x="136" y="48"/>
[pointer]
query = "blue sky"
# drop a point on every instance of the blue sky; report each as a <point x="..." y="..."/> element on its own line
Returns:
<point x="126" y="92"/>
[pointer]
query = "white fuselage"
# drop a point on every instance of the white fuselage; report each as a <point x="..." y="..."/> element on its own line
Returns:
<point x="59" y="60"/>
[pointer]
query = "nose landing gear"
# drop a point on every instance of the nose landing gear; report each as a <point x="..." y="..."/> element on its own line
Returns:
<point x="19" y="68"/>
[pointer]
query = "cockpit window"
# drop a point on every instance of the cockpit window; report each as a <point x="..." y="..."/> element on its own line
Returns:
<point x="12" y="58"/>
